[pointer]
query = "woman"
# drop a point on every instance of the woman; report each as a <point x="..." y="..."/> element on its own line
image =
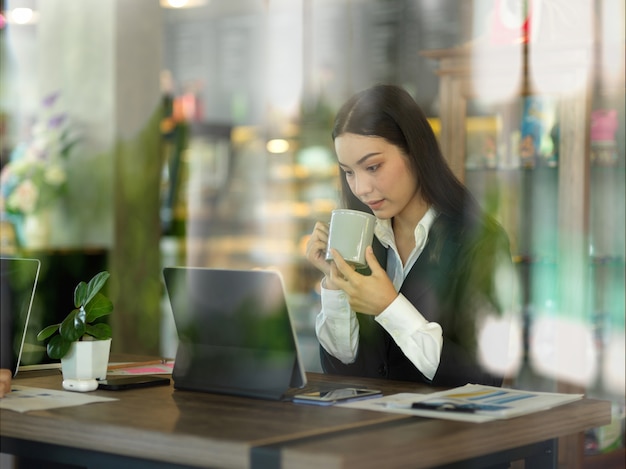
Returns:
<point x="417" y="312"/>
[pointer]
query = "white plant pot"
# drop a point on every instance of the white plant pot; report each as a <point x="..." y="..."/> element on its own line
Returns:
<point x="86" y="359"/>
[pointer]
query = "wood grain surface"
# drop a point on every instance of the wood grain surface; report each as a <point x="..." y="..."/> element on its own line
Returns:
<point x="203" y="429"/>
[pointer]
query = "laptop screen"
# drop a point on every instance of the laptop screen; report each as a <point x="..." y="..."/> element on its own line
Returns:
<point x="18" y="279"/>
<point x="234" y="330"/>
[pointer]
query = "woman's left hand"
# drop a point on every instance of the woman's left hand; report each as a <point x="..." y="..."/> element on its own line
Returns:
<point x="367" y="294"/>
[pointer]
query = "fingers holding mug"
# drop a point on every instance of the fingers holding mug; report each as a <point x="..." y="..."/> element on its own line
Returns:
<point x="316" y="247"/>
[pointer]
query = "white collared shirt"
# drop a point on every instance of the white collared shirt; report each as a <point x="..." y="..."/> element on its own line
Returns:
<point x="337" y="327"/>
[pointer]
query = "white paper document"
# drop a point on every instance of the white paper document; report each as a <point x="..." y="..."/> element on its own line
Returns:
<point x="24" y="399"/>
<point x="469" y="403"/>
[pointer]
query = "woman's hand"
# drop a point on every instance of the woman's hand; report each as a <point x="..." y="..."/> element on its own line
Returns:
<point x="367" y="294"/>
<point x="5" y="381"/>
<point x="316" y="248"/>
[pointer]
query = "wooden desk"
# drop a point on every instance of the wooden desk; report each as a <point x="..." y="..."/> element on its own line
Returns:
<point x="422" y="443"/>
<point x="161" y="427"/>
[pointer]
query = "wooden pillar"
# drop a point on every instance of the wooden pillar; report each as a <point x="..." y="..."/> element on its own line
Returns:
<point x="135" y="255"/>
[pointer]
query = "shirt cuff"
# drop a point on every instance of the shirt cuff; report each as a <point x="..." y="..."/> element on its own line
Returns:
<point x="337" y="327"/>
<point x="334" y="303"/>
<point x="420" y="340"/>
<point x="401" y="314"/>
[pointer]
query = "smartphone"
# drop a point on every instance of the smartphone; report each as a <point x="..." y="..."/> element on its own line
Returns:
<point x="335" y="395"/>
<point x="120" y="383"/>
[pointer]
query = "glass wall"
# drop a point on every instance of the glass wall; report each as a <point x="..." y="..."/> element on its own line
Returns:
<point x="200" y="135"/>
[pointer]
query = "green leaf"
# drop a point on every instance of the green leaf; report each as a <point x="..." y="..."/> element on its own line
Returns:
<point x="48" y="331"/>
<point x="94" y="286"/>
<point x="80" y="293"/>
<point x="98" y="307"/>
<point x="90" y="306"/>
<point x="100" y="331"/>
<point x="58" y="347"/>
<point x="73" y="326"/>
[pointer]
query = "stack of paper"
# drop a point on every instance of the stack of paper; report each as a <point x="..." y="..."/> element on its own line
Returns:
<point x="469" y="403"/>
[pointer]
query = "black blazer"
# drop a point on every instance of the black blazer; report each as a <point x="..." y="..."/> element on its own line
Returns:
<point x="450" y="283"/>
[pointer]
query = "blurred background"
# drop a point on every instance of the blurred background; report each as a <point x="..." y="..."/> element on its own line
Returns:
<point x="141" y="134"/>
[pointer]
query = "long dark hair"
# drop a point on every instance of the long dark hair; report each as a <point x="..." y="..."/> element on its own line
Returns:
<point x="390" y="112"/>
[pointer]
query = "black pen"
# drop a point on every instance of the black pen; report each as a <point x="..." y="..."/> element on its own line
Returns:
<point x="446" y="407"/>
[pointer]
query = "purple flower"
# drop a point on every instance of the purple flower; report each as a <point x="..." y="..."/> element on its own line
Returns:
<point x="49" y="100"/>
<point x="56" y="121"/>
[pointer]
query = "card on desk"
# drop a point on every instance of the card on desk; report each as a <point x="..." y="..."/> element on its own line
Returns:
<point x="151" y="367"/>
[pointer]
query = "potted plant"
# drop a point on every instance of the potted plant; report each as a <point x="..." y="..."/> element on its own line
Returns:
<point x="83" y="340"/>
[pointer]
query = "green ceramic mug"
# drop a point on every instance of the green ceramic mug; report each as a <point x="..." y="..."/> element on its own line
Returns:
<point x="351" y="231"/>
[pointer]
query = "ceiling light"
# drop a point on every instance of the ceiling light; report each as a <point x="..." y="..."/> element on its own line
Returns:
<point x="277" y="145"/>
<point x="22" y="16"/>
<point x="178" y="4"/>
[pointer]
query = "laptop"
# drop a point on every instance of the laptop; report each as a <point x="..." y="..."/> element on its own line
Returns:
<point x="18" y="280"/>
<point x="235" y="335"/>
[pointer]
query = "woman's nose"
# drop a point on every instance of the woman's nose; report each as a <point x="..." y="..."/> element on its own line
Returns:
<point x="361" y="186"/>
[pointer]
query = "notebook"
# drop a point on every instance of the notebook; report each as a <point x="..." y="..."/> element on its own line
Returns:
<point x="235" y="335"/>
<point x="18" y="280"/>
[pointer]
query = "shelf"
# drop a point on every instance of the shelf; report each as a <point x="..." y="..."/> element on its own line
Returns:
<point x="528" y="259"/>
<point x="516" y="169"/>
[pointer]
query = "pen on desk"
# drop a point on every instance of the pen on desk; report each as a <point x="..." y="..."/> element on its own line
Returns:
<point x="436" y="407"/>
<point x="446" y="407"/>
<point x="120" y="366"/>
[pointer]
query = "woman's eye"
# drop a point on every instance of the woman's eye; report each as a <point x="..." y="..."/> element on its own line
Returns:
<point x="373" y="168"/>
<point x="348" y="173"/>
